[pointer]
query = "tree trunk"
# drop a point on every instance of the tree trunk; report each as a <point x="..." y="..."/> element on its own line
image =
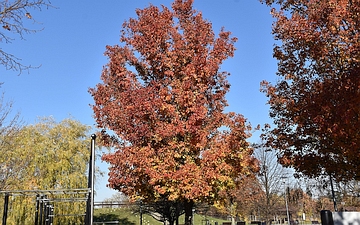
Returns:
<point x="232" y="220"/>
<point x="177" y="217"/>
<point x="188" y="206"/>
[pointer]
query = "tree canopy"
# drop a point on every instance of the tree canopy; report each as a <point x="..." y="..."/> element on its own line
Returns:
<point x="315" y="104"/>
<point x="161" y="105"/>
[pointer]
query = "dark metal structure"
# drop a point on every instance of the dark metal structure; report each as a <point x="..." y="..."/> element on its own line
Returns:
<point x="44" y="213"/>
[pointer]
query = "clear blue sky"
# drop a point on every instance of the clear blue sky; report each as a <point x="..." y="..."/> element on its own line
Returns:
<point x="71" y="46"/>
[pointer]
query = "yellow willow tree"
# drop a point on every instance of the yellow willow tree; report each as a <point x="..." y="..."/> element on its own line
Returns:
<point x="46" y="156"/>
<point x="161" y="106"/>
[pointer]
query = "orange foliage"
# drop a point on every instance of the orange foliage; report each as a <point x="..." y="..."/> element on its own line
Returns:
<point x="163" y="96"/>
<point x="316" y="103"/>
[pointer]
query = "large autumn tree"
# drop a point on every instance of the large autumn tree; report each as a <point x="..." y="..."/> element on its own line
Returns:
<point x="316" y="102"/>
<point x="161" y="106"/>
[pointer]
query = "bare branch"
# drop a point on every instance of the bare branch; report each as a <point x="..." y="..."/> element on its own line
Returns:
<point x="14" y="15"/>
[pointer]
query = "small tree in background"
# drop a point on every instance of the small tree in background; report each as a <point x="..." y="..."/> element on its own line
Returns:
<point x="10" y="127"/>
<point x="241" y="202"/>
<point x="270" y="178"/>
<point x="163" y="97"/>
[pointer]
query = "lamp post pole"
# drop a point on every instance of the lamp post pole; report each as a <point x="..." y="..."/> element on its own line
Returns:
<point x="286" y="202"/>
<point x="333" y="193"/>
<point x="90" y="202"/>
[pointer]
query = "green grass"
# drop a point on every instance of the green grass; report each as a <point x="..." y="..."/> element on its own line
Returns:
<point x="126" y="217"/>
<point x="123" y="215"/>
<point x="200" y="220"/>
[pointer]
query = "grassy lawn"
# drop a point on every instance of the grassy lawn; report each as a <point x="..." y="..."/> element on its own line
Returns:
<point x="126" y="217"/>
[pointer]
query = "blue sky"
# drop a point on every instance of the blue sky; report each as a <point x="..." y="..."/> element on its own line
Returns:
<point x="70" y="51"/>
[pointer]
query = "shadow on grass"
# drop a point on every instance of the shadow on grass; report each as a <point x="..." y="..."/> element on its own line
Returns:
<point x="106" y="217"/>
